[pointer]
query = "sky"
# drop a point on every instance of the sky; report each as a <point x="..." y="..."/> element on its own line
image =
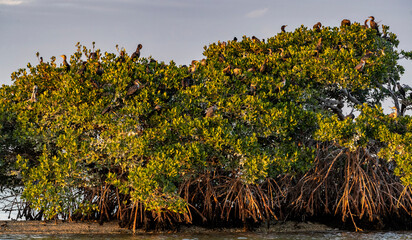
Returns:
<point x="173" y="29"/>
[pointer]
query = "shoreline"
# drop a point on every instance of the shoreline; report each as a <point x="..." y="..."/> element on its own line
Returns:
<point x="52" y="228"/>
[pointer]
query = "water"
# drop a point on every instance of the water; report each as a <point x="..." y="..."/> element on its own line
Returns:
<point x="226" y="236"/>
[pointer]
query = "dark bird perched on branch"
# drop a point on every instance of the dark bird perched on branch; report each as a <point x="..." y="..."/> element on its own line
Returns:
<point x="373" y="24"/>
<point x="121" y="58"/>
<point x="93" y="56"/>
<point x="394" y="114"/>
<point x="221" y="58"/>
<point x="350" y="116"/>
<point x="317" y="27"/>
<point x="361" y="65"/>
<point x="345" y="22"/>
<point x="319" y="46"/>
<point x="187" y="82"/>
<point x="235" y="39"/>
<point x="65" y="63"/>
<point x="263" y="67"/>
<point x="33" y="94"/>
<point x="282" y="28"/>
<point x="227" y="70"/>
<point x="284" y="55"/>
<point x="365" y="24"/>
<point x="211" y="111"/>
<point x="82" y="69"/>
<point x="136" y="86"/>
<point x="113" y="106"/>
<point x="252" y="89"/>
<point x="403" y="97"/>
<point x="367" y="55"/>
<point x="255" y="39"/>
<point x="99" y="70"/>
<point x="136" y="53"/>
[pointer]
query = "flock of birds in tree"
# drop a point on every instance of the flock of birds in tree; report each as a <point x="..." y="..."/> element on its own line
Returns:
<point x="186" y="82"/>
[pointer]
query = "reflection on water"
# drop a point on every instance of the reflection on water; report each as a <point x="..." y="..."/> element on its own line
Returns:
<point x="226" y="236"/>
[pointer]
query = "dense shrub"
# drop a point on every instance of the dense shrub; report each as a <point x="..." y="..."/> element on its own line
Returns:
<point x="254" y="130"/>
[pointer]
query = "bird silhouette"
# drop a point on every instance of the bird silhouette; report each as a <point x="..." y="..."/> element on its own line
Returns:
<point x="317" y="27"/>
<point x="66" y="65"/>
<point x="373" y="24"/>
<point x="365" y="24"/>
<point x="402" y="92"/>
<point x="361" y="65"/>
<point x="345" y="22"/>
<point x="93" y="56"/>
<point x="284" y="55"/>
<point x="136" y="53"/>
<point x="394" y="114"/>
<point x="33" y="94"/>
<point x="210" y="112"/>
<point x="282" y="28"/>
<point x="252" y="89"/>
<point x="136" y="86"/>
<point x="255" y="39"/>
<point x="82" y="69"/>
<point x="367" y="55"/>
<point x="319" y="46"/>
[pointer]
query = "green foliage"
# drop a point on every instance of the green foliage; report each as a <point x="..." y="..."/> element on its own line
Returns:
<point x="273" y="102"/>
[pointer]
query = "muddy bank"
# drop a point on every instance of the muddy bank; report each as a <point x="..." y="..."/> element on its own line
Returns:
<point x="39" y="227"/>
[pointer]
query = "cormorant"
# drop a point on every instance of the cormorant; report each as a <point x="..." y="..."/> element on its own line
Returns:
<point x="263" y="66"/>
<point x="136" y="86"/>
<point x="367" y="55"/>
<point x="121" y="57"/>
<point x="211" y="111"/>
<point x="350" y="116"/>
<point x="158" y="107"/>
<point x="136" y="54"/>
<point x="33" y="94"/>
<point x="282" y="28"/>
<point x="93" y="56"/>
<point x="373" y="24"/>
<point x="394" y="114"/>
<point x="82" y="68"/>
<point x="99" y="70"/>
<point x="365" y="24"/>
<point x="317" y="27"/>
<point x="193" y="66"/>
<point x="403" y="96"/>
<point x="361" y="65"/>
<point x="65" y="63"/>
<point x="319" y="46"/>
<point x="187" y="82"/>
<point x="221" y="58"/>
<point x="255" y="39"/>
<point x="227" y="69"/>
<point x="345" y="22"/>
<point x="253" y="88"/>
<point x="237" y="71"/>
<point x="284" y="55"/>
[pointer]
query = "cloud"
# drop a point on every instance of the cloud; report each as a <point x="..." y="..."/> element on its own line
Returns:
<point x="257" y="13"/>
<point x="11" y="2"/>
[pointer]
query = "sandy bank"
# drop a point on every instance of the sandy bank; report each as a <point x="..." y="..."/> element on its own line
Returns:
<point x="39" y="227"/>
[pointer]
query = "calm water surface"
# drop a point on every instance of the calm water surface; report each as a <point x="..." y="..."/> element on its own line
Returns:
<point x="229" y="236"/>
